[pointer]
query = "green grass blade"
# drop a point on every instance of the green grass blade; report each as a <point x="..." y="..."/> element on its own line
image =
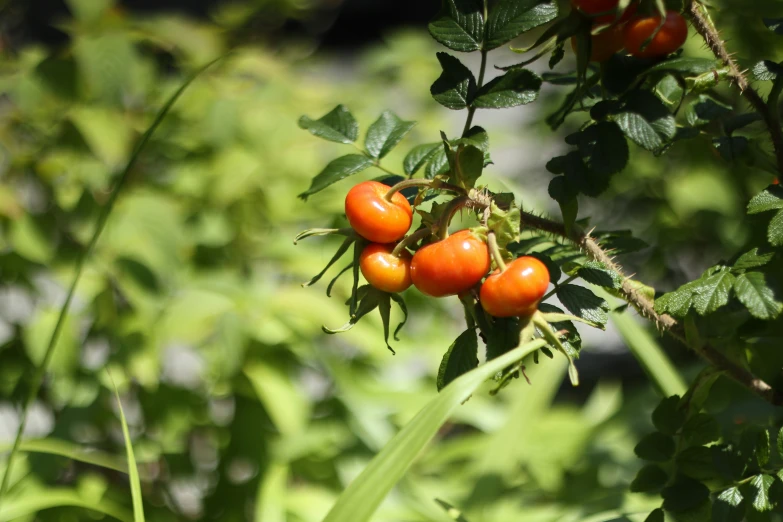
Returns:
<point x="40" y="373"/>
<point x="270" y="500"/>
<point x="650" y="355"/>
<point x="70" y="450"/>
<point x="133" y="470"/>
<point x="38" y="500"/>
<point x="363" y="496"/>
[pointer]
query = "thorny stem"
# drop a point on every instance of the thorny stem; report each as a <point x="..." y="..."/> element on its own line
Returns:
<point x="430" y="183"/>
<point x="494" y="249"/>
<point x="703" y="25"/>
<point x="410" y="240"/>
<point x="646" y="307"/>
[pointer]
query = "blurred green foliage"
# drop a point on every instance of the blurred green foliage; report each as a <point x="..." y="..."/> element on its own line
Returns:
<point x="240" y="408"/>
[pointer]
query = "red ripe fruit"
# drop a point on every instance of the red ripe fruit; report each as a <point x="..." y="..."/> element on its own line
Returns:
<point x="670" y="37"/>
<point x="383" y="270"/>
<point x="373" y="217"/>
<point x="451" y="266"/>
<point x="517" y="290"/>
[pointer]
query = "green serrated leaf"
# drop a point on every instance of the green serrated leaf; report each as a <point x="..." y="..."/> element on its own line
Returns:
<point x="598" y="274"/>
<point x="338" y="125"/>
<point x="769" y="199"/>
<point x="713" y="292"/>
<point x="767" y="70"/>
<point x="753" y="259"/>
<point x="668" y="417"/>
<point x="583" y="303"/>
<point x="649" y="479"/>
<point x="604" y="148"/>
<point x="461" y="357"/>
<point x="655" y="447"/>
<point x="438" y="163"/>
<point x="418" y="156"/>
<point x="469" y="163"/>
<point x="686" y="65"/>
<point x="759" y="497"/>
<point x="510" y="18"/>
<point x="684" y="494"/>
<point x="516" y="87"/>
<point x="763" y="450"/>
<point x="459" y="25"/>
<point x="705" y="109"/>
<point x="456" y="86"/>
<point x="638" y="130"/>
<point x="775" y="230"/>
<point x="700" y="429"/>
<point x="780" y="442"/>
<point x="336" y="170"/>
<point x="753" y="291"/>
<point x="696" y="462"/>
<point x="676" y="303"/>
<point x="385" y="133"/>
<point x="774" y="24"/>
<point x="502" y="337"/>
<point x="728" y="506"/>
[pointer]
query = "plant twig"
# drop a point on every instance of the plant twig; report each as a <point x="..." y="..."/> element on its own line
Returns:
<point x="646" y="307"/>
<point x="703" y="25"/>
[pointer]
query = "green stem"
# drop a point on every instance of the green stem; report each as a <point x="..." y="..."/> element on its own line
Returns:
<point x="411" y="239"/>
<point x="429" y="183"/>
<point x="40" y="372"/>
<point x="479" y="84"/>
<point x="448" y="213"/>
<point x="494" y="249"/>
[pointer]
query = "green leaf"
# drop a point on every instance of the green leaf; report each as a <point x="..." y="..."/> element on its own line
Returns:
<point x="370" y="298"/>
<point x="505" y="224"/>
<point x="696" y="462"/>
<point x="767" y="70"/>
<point x="656" y="515"/>
<point x="775" y="230"/>
<point x="753" y="292"/>
<point x="26" y="507"/>
<point x="769" y="199"/>
<point x="678" y="302"/>
<point x="459" y="25"/>
<point x="684" y="494"/>
<point x="71" y="451"/>
<point x="763" y="451"/>
<point x="604" y="148"/>
<point x="336" y="170"/>
<point x="418" y="156"/>
<point x="133" y="470"/>
<point x="385" y="133"/>
<point x="655" y="447"/>
<point x="753" y="259"/>
<point x="502" y="337"/>
<point x="337" y="125"/>
<point x="650" y="478"/>
<point x="780" y="442"/>
<point x="88" y="11"/>
<point x="342" y="249"/>
<point x="516" y="87"/>
<point x="598" y="274"/>
<point x="668" y="417"/>
<point x="774" y="24"/>
<point x="469" y="162"/>
<point x="397" y="298"/>
<point x="638" y="130"/>
<point x="759" y="497"/>
<point x="438" y="163"/>
<point x="701" y="429"/>
<point x="713" y="292"/>
<point x="705" y="109"/>
<point x="456" y="86"/>
<point x="461" y="357"/>
<point x="685" y="65"/>
<point x="511" y="18"/>
<point x="363" y="496"/>
<point x="728" y="506"/>
<point x="583" y="303"/>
